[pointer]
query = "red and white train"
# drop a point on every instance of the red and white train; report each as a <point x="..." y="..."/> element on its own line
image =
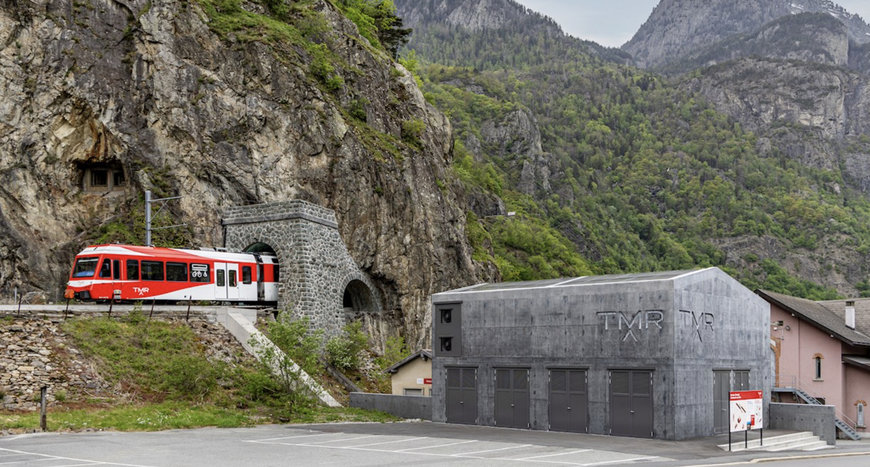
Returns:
<point x="130" y="273"/>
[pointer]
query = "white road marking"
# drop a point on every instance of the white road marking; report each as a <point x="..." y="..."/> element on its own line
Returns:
<point x="633" y="459"/>
<point x="541" y="459"/>
<point x="493" y="450"/>
<point x="388" y="442"/>
<point x="554" y="454"/>
<point x="288" y="437"/>
<point x="341" y="439"/>
<point x="48" y="457"/>
<point x="436" y="446"/>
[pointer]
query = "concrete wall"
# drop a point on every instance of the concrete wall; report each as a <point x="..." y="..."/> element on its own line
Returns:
<point x="803" y="417"/>
<point x="721" y="325"/>
<point x="408" y="375"/>
<point x="400" y="406"/>
<point x="603" y="326"/>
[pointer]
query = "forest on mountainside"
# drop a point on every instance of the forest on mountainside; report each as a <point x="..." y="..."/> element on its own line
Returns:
<point x="641" y="175"/>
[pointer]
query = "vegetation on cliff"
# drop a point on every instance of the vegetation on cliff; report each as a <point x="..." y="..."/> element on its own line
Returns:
<point x="643" y="176"/>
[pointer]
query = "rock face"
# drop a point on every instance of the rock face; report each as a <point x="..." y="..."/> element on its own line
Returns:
<point x="150" y="90"/>
<point x="679" y="28"/>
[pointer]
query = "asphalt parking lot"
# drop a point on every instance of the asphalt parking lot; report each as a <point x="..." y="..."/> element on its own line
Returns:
<point x="421" y="443"/>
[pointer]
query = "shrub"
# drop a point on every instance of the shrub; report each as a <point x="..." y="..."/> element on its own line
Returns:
<point x="343" y="351"/>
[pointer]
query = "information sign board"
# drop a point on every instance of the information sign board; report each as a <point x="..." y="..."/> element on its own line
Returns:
<point x="746" y="410"/>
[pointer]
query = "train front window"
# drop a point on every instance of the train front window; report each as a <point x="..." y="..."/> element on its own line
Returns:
<point x="152" y="270"/>
<point x="106" y="268"/>
<point x="176" y="272"/>
<point x="85" y="267"/>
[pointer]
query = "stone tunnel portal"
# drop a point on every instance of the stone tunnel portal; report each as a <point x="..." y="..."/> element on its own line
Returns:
<point x="319" y="280"/>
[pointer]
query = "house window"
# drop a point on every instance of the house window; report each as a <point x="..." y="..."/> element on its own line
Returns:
<point x="817" y="361"/>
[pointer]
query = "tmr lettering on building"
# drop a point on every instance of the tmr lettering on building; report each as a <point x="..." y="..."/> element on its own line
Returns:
<point x="645" y="355"/>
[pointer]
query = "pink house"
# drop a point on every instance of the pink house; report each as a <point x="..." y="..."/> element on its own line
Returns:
<point x="822" y="354"/>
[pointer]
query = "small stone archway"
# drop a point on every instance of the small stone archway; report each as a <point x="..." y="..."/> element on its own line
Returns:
<point x="315" y="267"/>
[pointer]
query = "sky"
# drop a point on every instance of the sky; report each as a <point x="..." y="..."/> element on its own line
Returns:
<point x="612" y="22"/>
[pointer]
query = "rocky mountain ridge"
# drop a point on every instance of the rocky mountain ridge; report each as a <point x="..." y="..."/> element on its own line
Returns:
<point x="679" y="28"/>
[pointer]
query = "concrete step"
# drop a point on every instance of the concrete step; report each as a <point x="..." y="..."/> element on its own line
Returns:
<point x="791" y="441"/>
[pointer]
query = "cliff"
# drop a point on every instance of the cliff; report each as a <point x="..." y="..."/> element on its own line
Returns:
<point x="221" y="103"/>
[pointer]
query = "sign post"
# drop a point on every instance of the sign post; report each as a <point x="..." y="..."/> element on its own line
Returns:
<point x="745" y="413"/>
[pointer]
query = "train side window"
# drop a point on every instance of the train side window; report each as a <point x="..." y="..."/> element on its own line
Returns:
<point x="176" y="272"/>
<point x="106" y="268"/>
<point x="116" y="269"/>
<point x="152" y="270"/>
<point x="132" y="270"/>
<point x="232" y="275"/>
<point x="276" y="269"/>
<point x="246" y="274"/>
<point x="221" y="279"/>
<point x="199" y="272"/>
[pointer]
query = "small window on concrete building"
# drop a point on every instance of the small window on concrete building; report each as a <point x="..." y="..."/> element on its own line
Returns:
<point x="412" y="392"/>
<point x="102" y="177"/>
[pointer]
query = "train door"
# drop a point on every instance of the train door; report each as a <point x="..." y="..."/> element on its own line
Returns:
<point x="261" y="290"/>
<point x="220" y="281"/>
<point x="232" y="281"/>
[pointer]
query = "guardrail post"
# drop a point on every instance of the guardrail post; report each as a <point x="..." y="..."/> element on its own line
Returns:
<point x="152" y="309"/>
<point x="66" y="310"/>
<point x="189" y="299"/>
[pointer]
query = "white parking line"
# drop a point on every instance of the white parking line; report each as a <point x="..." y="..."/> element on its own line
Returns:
<point x="27" y="460"/>
<point x="388" y="442"/>
<point x="341" y="439"/>
<point x="565" y="453"/>
<point x="493" y="450"/>
<point x="436" y="446"/>
<point x="264" y="440"/>
<point x="633" y="459"/>
<point x="48" y="457"/>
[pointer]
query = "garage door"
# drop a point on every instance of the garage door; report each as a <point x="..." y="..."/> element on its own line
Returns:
<point x="568" y="400"/>
<point x="631" y="403"/>
<point x="512" y="397"/>
<point x="462" y="395"/>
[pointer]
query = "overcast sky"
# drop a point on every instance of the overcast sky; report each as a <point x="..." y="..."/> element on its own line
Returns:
<point x="613" y="22"/>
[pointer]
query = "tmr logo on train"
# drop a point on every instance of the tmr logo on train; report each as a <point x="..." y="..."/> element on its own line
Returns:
<point x="141" y="290"/>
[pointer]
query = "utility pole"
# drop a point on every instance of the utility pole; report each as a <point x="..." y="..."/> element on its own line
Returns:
<point x="148" y="202"/>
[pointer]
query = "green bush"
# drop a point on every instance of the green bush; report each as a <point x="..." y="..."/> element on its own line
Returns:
<point x="298" y="341"/>
<point x="343" y="351"/>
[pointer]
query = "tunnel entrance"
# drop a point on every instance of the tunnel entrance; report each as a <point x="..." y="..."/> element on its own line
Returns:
<point x="358" y="298"/>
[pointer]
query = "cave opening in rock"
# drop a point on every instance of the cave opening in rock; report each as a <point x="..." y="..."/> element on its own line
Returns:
<point x="357" y="297"/>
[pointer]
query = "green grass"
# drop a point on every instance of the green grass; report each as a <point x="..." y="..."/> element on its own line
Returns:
<point x="176" y="415"/>
<point x="162" y="367"/>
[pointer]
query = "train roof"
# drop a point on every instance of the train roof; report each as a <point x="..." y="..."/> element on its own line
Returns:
<point x="168" y="253"/>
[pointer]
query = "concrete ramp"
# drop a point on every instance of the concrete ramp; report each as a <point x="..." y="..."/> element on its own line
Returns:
<point x="256" y="343"/>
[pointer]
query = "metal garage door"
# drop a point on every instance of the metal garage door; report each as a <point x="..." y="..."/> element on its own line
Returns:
<point x="631" y="403"/>
<point x="568" y="400"/>
<point x="512" y="397"/>
<point x="462" y="395"/>
<point x="721" y="386"/>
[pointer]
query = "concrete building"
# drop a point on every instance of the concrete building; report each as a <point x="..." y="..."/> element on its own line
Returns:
<point x="822" y="354"/>
<point x="412" y="376"/>
<point x="645" y="355"/>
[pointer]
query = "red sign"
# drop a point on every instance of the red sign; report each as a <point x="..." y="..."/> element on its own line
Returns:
<point x="427" y="380"/>
<point x="744" y="395"/>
